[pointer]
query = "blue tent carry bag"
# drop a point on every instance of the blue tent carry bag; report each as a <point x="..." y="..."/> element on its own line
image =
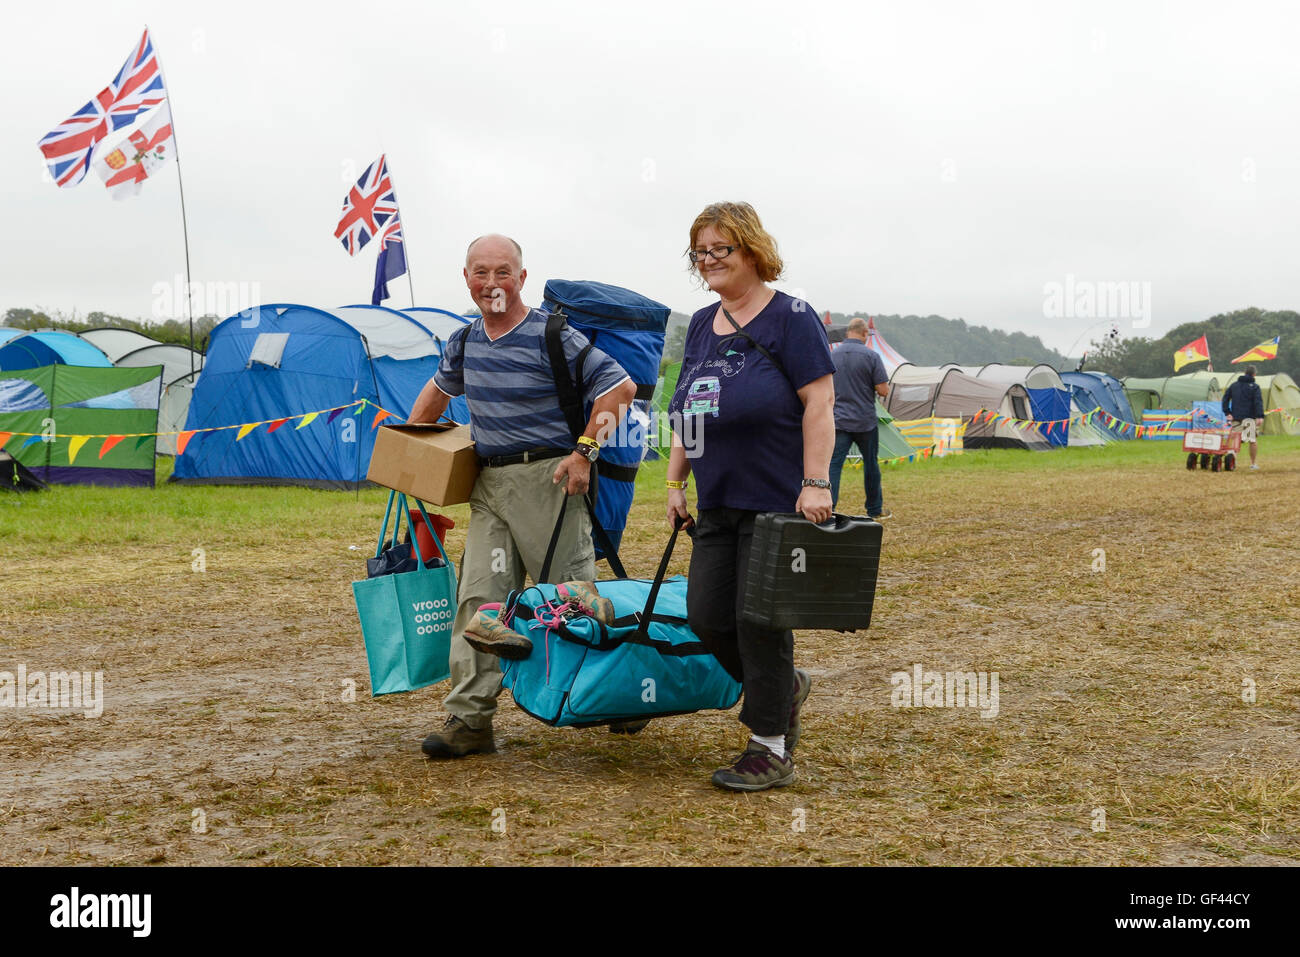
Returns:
<point x="645" y="663"/>
<point x="629" y="328"/>
<point x="406" y="617"/>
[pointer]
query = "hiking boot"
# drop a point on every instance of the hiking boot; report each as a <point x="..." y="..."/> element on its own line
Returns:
<point x="485" y="633"/>
<point x="628" y="727"/>
<point x="457" y="739"/>
<point x="585" y="594"/>
<point x="881" y="515"/>
<point x="802" y="685"/>
<point x="756" y="770"/>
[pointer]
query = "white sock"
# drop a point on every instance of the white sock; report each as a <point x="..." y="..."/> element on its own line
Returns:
<point x="775" y="744"/>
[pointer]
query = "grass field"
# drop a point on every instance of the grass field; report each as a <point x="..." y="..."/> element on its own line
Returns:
<point x="1142" y="620"/>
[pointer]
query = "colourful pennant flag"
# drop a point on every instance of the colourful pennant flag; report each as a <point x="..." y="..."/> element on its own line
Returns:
<point x="1197" y="350"/>
<point x="74" y="446"/>
<point x="379" y="417"/>
<point x="306" y="419"/>
<point x="275" y="425"/>
<point x="109" y="442"/>
<point x="1265" y="350"/>
<point x="245" y="429"/>
<point x="4" y="437"/>
<point x="182" y="440"/>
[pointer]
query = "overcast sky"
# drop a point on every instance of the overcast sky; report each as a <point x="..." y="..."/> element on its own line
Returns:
<point x="945" y="158"/>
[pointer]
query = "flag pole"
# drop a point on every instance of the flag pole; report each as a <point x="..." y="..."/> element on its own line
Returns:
<point x="180" y="184"/>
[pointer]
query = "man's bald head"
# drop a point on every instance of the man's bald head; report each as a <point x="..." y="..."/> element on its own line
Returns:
<point x="493" y="242"/>
<point x="857" y="328"/>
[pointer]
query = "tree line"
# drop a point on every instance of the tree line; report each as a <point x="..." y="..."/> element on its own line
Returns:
<point x="1228" y="334"/>
<point x="172" y="331"/>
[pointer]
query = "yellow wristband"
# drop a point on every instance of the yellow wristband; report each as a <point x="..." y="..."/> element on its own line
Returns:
<point x="586" y="440"/>
<point x="672" y="484"/>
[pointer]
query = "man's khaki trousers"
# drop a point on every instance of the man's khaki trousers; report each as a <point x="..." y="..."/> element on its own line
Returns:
<point x="513" y="510"/>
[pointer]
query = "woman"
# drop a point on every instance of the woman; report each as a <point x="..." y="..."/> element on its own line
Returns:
<point x="753" y="419"/>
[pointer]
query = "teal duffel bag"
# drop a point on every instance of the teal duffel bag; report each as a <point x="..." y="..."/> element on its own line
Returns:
<point x="646" y="663"/>
<point x="406" y="616"/>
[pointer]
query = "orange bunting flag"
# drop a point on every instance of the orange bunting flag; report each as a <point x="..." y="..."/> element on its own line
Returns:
<point x="1197" y="350"/>
<point x="182" y="440"/>
<point x="379" y="417"/>
<point x="74" y="446"/>
<point x="5" y="437"/>
<point x="109" y="442"/>
<point x="245" y="429"/>
<point x="275" y="425"/>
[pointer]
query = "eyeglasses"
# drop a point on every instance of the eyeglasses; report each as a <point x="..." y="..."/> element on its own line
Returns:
<point x="717" y="252"/>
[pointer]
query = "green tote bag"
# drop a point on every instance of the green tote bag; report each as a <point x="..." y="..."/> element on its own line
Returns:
<point x="406" y="618"/>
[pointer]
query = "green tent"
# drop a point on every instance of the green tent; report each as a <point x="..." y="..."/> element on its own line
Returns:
<point x="1180" y="391"/>
<point x="82" y="425"/>
<point x="892" y="443"/>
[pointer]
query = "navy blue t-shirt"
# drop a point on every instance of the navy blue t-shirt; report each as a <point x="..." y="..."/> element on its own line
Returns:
<point x="739" y="418"/>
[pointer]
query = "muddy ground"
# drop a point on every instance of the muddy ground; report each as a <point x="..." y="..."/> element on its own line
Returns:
<point x="1147" y="710"/>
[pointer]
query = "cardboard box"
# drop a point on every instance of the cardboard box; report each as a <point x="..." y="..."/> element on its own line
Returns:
<point x="435" y="463"/>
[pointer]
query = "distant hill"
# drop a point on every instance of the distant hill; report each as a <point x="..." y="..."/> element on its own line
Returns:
<point x="925" y="340"/>
<point x="934" y="340"/>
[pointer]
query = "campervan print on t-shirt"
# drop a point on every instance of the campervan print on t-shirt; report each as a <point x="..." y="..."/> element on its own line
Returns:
<point x="705" y="392"/>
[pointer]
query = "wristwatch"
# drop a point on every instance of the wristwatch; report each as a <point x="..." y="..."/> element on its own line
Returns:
<point x="816" y="483"/>
<point x="590" y="452"/>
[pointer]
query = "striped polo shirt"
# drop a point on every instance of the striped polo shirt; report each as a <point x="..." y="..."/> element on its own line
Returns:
<point x="508" y="384"/>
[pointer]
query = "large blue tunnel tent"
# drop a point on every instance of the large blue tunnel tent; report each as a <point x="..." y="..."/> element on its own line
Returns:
<point x="276" y="361"/>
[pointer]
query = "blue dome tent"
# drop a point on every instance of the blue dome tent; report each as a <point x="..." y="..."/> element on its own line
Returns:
<point x="271" y="362"/>
<point x="1094" y="390"/>
<point x="32" y="350"/>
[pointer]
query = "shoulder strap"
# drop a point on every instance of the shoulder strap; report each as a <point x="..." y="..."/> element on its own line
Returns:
<point x="570" y="397"/>
<point x="765" y="352"/>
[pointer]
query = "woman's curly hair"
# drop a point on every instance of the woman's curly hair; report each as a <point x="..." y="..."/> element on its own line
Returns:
<point x="741" y="225"/>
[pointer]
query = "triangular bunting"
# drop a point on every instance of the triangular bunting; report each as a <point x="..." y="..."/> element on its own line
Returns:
<point x="74" y="446"/>
<point x="182" y="440"/>
<point x="333" y="415"/>
<point x="379" y="417"/>
<point x="31" y="440"/>
<point x="306" y="420"/>
<point x="245" y="429"/>
<point x="275" y="425"/>
<point x="4" y="437"/>
<point x="109" y="442"/>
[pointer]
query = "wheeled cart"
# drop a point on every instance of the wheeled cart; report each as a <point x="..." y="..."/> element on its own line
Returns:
<point x="1214" y="449"/>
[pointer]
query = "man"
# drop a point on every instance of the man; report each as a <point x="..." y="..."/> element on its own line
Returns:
<point x="1245" y="403"/>
<point x="528" y="464"/>
<point x="859" y="377"/>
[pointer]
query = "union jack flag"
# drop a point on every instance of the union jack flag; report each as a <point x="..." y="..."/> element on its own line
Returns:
<point x="367" y="208"/>
<point x="137" y="88"/>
